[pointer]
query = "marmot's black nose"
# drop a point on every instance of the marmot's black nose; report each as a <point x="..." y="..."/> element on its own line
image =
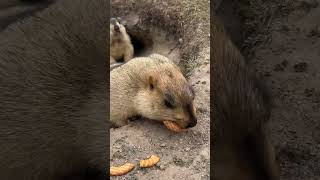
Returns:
<point x="116" y="28"/>
<point x="192" y="123"/>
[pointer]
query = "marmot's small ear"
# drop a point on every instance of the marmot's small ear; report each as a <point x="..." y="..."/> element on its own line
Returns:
<point x="152" y="82"/>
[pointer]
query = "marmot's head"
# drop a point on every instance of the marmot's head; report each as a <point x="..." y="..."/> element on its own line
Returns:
<point x="166" y="95"/>
<point x="117" y="28"/>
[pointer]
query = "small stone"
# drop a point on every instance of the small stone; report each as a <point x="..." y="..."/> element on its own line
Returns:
<point x="187" y="149"/>
<point x="162" y="167"/>
<point x="163" y="145"/>
<point x="180" y="40"/>
<point x="300" y="67"/>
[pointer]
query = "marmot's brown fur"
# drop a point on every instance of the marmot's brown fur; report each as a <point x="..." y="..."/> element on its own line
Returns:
<point x="152" y="87"/>
<point x="120" y="42"/>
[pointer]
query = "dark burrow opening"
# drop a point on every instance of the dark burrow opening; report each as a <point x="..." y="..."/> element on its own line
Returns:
<point x="142" y="42"/>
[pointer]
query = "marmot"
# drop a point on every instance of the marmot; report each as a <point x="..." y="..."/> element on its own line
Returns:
<point x="53" y="94"/>
<point x="241" y="145"/>
<point x="152" y="87"/>
<point x="120" y="42"/>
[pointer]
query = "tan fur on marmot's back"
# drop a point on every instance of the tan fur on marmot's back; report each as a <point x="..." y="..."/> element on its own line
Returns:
<point x="152" y="87"/>
<point x="120" y="43"/>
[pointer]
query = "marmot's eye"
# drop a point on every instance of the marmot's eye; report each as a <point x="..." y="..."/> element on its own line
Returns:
<point x="169" y="100"/>
<point x="168" y="104"/>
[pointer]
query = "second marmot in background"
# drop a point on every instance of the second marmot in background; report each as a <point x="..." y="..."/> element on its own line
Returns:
<point x="120" y="42"/>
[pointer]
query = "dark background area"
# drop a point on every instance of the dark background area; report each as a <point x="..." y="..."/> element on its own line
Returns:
<point x="281" y="40"/>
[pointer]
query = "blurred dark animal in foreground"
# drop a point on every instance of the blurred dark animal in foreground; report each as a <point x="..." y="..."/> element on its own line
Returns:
<point x="15" y="10"/>
<point x="53" y="113"/>
<point x="241" y="109"/>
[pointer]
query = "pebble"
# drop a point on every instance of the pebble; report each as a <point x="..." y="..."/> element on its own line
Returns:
<point x="163" y="145"/>
<point x="162" y="167"/>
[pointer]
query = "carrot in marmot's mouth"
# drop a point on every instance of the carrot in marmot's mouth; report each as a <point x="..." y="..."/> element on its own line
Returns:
<point x="173" y="126"/>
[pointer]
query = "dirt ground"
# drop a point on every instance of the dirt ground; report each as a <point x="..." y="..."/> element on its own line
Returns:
<point x="281" y="39"/>
<point x="179" y="30"/>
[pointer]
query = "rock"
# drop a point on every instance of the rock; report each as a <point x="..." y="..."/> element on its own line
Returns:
<point x="300" y="67"/>
<point x="162" y="167"/>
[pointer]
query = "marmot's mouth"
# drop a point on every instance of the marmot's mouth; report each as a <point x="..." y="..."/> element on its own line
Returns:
<point x="116" y="29"/>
